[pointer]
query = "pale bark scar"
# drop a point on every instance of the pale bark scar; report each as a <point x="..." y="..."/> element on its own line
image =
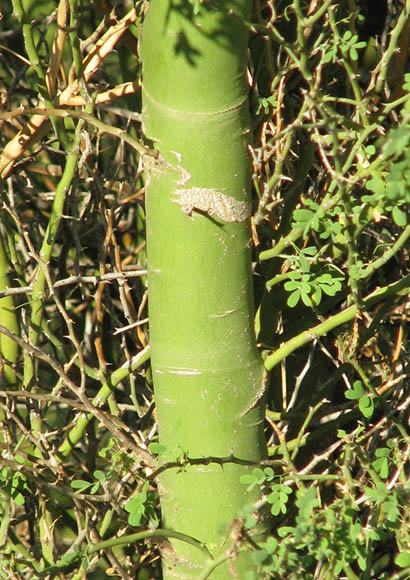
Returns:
<point x="212" y="202"/>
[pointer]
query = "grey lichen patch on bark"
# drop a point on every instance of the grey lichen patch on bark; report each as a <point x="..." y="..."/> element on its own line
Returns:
<point x="212" y="202"/>
<point x="157" y="164"/>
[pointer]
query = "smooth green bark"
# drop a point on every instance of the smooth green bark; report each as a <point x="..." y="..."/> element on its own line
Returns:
<point x="208" y="374"/>
<point x="8" y="317"/>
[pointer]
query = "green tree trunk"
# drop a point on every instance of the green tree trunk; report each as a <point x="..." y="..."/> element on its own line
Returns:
<point x="208" y="374"/>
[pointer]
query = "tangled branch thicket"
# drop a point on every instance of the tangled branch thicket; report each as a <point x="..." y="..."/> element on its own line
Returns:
<point x="330" y="149"/>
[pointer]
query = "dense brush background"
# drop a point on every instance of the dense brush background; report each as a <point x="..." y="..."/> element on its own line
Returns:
<point x="329" y="94"/>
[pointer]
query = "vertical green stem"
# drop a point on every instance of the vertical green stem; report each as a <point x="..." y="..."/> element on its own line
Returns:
<point x="8" y="317"/>
<point x="391" y="49"/>
<point x="47" y="249"/>
<point x="208" y="375"/>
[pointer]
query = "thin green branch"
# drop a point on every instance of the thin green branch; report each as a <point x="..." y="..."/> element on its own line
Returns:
<point x="284" y="151"/>
<point x="17" y="546"/>
<point x="76" y="49"/>
<point x="77" y="279"/>
<point x="333" y="322"/>
<point x="40" y="72"/>
<point x="302" y="430"/>
<point x="150" y="534"/>
<point x="352" y="75"/>
<point x="8" y="316"/>
<point x="388" y="254"/>
<point x="211" y="566"/>
<point x="100" y="398"/>
<point x="277" y="280"/>
<point x="34" y="351"/>
<point x="47" y="249"/>
<point x="72" y="557"/>
<point x="300" y="38"/>
<point x="392" y="48"/>
<point x="29" y="44"/>
<point x="317" y="14"/>
<point x="349" y="573"/>
<point x="297" y="232"/>
<point x="186" y="460"/>
<point x="6" y="511"/>
<point x="97" y="123"/>
<point x="312" y="477"/>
